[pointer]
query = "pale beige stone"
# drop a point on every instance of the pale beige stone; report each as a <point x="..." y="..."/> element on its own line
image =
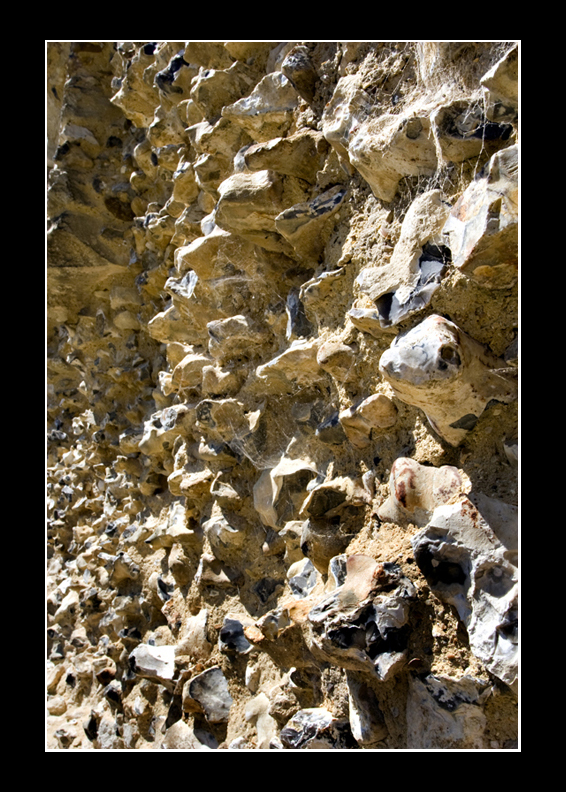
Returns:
<point x="385" y="149"/>
<point x="482" y="229"/>
<point x="268" y="110"/>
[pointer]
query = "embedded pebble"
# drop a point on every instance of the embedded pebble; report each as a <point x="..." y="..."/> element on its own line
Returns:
<point x="208" y="692"/>
<point x="451" y="377"/>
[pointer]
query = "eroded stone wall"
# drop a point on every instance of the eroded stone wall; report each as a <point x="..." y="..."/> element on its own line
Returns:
<point x="282" y="395"/>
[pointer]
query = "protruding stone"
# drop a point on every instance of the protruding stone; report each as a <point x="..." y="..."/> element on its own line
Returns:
<point x="337" y="359"/>
<point x="225" y="419"/>
<point x="124" y="568"/>
<point x="280" y="491"/>
<point x="445" y="713"/>
<point x="437" y="367"/>
<point x="501" y="87"/>
<point x="368" y="320"/>
<point x="181" y="737"/>
<point x="189" y="372"/>
<point x="322" y="540"/>
<point x="154" y="662"/>
<point x="268" y="110"/>
<point x="213" y="89"/>
<point x="301" y="155"/>
<point x="232" y="639"/>
<point x="298" y="67"/>
<point x="248" y="205"/>
<point x="468" y="554"/>
<point x="315" y="292"/>
<point x="298" y="364"/>
<point x="348" y="106"/>
<point x="482" y="229"/>
<point x="316" y="729"/>
<point x="406" y="284"/>
<point x="208" y="693"/>
<point x="307" y="226"/>
<point x="172" y="526"/>
<point x="416" y="490"/>
<point x="363" y="625"/>
<point x="462" y="131"/>
<point x="387" y="148"/>
<point x="234" y="337"/>
<point x="302" y="577"/>
<point x="366" y="718"/>
<point x="330" y="498"/>
<point x="226" y="534"/>
<point x="257" y="713"/>
<point x="194" y="640"/>
<point x="376" y="413"/>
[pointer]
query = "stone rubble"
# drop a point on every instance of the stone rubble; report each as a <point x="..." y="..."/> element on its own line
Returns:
<point x="282" y="396"/>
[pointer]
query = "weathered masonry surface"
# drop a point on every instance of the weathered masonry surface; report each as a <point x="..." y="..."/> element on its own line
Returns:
<point x="282" y="394"/>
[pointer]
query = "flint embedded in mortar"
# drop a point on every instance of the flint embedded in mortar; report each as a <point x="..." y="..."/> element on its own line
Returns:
<point x="415" y="490"/>
<point x="154" y="662"/>
<point x="468" y="554"/>
<point x="462" y="131"/>
<point x="268" y="110"/>
<point x="482" y="229"/>
<point x="232" y="638"/>
<point x="316" y="728"/>
<point x="209" y="693"/>
<point x="307" y="226"/>
<point x="386" y="148"/>
<point x="377" y="412"/>
<point x="184" y="347"/>
<point x="406" y="284"/>
<point x="364" y="623"/>
<point x="438" y="368"/>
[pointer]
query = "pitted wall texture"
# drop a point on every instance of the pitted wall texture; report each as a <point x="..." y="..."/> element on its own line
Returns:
<point x="282" y="391"/>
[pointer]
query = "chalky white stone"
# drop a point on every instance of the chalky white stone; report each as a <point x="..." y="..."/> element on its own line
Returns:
<point x="482" y="228"/>
<point x="415" y="490"/>
<point x="451" y="377"/>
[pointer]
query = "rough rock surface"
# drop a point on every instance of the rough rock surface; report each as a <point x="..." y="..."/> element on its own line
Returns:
<point x="282" y="429"/>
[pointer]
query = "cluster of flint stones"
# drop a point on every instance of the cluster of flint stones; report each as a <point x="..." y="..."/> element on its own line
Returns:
<point x="434" y="367"/>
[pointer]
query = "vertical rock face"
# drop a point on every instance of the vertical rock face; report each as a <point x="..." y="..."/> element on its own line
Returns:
<point x="282" y="395"/>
